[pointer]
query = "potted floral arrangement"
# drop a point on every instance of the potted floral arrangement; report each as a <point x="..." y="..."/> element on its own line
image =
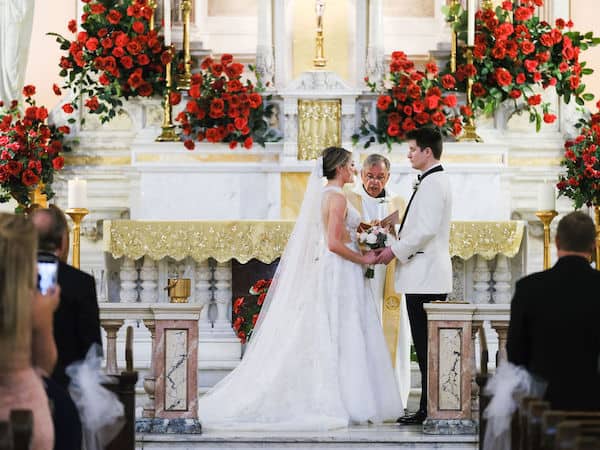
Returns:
<point x="411" y="99"/>
<point x="115" y="55"/>
<point x="30" y="150"/>
<point x="516" y="56"/>
<point x="581" y="179"/>
<point x="246" y="309"/>
<point x="221" y="107"/>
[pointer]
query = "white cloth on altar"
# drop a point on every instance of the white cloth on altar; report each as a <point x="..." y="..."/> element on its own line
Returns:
<point x="377" y="209"/>
<point x="16" y="22"/>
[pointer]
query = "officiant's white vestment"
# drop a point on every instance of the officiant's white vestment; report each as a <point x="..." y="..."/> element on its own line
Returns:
<point x="390" y="304"/>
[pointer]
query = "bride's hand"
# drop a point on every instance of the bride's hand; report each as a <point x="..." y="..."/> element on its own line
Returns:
<point x="369" y="258"/>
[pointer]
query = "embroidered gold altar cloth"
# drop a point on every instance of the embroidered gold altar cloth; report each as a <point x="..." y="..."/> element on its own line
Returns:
<point x="265" y="240"/>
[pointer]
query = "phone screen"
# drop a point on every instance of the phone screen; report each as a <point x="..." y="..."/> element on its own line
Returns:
<point x="47" y="272"/>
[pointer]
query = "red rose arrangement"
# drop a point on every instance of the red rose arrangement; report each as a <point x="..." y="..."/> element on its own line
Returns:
<point x="516" y="56"/>
<point x="412" y="99"/>
<point x="115" y="55"/>
<point x="30" y="149"/>
<point x="222" y="108"/>
<point x="581" y="178"/>
<point x="246" y="309"/>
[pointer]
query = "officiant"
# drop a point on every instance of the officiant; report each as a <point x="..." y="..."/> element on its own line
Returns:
<point x="374" y="201"/>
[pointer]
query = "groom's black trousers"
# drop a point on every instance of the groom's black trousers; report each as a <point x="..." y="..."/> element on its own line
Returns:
<point x="418" y="329"/>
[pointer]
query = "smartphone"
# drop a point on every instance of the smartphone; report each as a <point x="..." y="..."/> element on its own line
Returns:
<point x="47" y="271"/>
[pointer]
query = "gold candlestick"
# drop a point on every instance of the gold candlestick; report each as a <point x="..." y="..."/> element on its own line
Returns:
<point x="168" y="133"/>
<point x="320" y="61"/>
<point x="152" y="5"/>
<point x="470" y="131"/>
<point x="453" y="38"/>
<point x="597" y="220"/>
<point x="185" y="79"/>
<point x="546" y="218"/>
<point x="77" y="215"/>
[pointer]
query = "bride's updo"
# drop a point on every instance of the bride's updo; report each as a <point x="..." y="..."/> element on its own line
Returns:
<point x="334" y="157"/>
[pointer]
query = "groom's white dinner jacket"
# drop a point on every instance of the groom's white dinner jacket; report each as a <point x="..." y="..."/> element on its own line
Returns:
<point x="422" y="249"/>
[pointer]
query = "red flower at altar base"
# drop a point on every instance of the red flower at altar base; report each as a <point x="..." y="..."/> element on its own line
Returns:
<point x="246" y="309"/>
<point x="581" y="179"/>
<point x="117" y="48"/>
<point x="517" y="55"/>
<point x="221" y="108"/>
<point x="30" y="150"/>
<point x="411" y="99"/>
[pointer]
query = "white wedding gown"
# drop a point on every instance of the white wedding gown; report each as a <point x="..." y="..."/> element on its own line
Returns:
<point x="318" y="359"/>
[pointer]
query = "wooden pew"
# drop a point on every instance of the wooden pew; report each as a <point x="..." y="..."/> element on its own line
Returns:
<point x="568" y="432"/>
<point x="125" y="390"/>
<point x="552" y="418"/>
<point x="586" y="443"/>
<point x="531" y="433"/>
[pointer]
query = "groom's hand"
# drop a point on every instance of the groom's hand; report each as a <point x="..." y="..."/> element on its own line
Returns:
<point x="385" y="256"/>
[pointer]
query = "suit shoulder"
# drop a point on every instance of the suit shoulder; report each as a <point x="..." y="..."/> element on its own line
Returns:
<point x="71" y="273"/>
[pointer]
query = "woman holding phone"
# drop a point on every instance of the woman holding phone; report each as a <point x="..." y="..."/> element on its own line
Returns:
<point x="27" y="348"/>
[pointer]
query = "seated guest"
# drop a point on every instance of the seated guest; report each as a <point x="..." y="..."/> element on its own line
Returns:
<point x="26" y="342"/>
<point x="77" y="319"/>
<point x="553" y="329"/>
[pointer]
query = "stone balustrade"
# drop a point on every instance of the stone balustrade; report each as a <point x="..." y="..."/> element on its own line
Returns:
<point x="452" y="391"/>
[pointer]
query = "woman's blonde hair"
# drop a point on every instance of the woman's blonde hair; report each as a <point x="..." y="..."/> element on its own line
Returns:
<point x="18" y="248"/>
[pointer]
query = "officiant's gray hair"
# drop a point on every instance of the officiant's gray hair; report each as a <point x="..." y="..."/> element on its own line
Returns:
<point x="376" y="158"/>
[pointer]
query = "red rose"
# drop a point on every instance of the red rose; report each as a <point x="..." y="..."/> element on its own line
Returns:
<point x="29" y="90"/>
<point x="527" y="47"/>
<point x="522" y="14"/>
<point x="530" y="65"/>
<point x="135" y="79"/>
<point x="503" y="76"/>
<point x="394" y="117"/>
<point x="91" y="44"/>
<point x="408" y="124"/>
<point x="568" y="53"/>
<point x="534" y="100"/>
<point x="138" y="27"/>
<point x="143" y="59"/>
<point x="216" y="69"/>
<point x="42" y="113"/>
<point x="133" y="47"/>
<point x="261" y="299"/>
<point x="560" y="23"/>
<point x="145" y="89"/>
<point x="127" y="62"/>
<point x="450" y="101"/>
<point x="466" y="111"/>
<point x="255" y="100"/>
<point x="418" y="106"/>
<point x="507" y="5"/>
<point x="383" y="102"/>
<point x="233" y="144"/>
<point x="104" y="80"/>
<point x="238" y="323"/>
<point x="438" y="119"/>
<point x="114" y="16"/>
<point x="68" y="108"/>
<point x="547" y="40"/>
<point x="226" y="58"/>
<point x="431" y="68"/>
<point x="242" y="337"/>
<point x="422" y="118"/>
<point x="448" y="81"/>
<point x="574" y="82"/>
<point x="29" y="178"/>
<point x="106" y="43"/>
<point x="234" y="70"/>
<point x="515" y="93"/>
<point x="234" y="86"/>
<point x="407" y="110"/>
<point x="254" y="319"/>
<point x="64" y="129"/>
<point x="58" y="163"/>
<point x="92" y="103"/>
<point x="432" y="101"/>
<point x="498" y="52"/>
<point x="121" y="39"/>
<point x="248" y="145"/>
<point x="72" y="26"/>
<point x="393" y="129"/>
<point x="478" y="90"/>
<point x="14" y="168"/>
<point x="174" y="98"/>
<point x="118" y="52"/>
<point x="97" y="8"/>
<point x="549" y="118"/>
<point x="189" y="144"/>
<point x="195" y="91"/>
<point x="240" y="123"/>
<point x="166" y="58"/>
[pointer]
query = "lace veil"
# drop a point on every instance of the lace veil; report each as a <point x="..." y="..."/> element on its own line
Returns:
<point x="297" y="264"/>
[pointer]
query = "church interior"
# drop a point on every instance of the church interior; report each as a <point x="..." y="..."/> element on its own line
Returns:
<point x="181" y="226"/>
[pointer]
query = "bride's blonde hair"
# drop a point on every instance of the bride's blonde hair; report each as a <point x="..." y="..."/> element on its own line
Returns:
<point x="18" y="247"/>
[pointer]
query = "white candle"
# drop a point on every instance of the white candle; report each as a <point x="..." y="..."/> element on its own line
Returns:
<point x="167" y="20"/>
<point x="375" y="24"/>
<point x="470" y="23"/>
<point x="77" y="190"/>
<point x="546" y="197"/>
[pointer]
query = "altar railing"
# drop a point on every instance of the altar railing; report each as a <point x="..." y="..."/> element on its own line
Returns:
<point x="487" y="257"/>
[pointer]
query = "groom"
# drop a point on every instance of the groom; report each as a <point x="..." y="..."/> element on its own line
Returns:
<point x="424" y="269"/>
<point x="375" y="201"/>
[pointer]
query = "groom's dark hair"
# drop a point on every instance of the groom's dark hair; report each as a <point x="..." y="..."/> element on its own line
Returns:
<point x="427" y="137"/>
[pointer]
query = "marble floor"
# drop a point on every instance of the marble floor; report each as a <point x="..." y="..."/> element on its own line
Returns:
<point x="356" y="438"/>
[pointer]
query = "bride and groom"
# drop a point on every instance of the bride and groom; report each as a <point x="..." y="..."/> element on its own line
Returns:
<point x="318" y="359"/>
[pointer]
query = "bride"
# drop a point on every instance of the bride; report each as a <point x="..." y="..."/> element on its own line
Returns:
<point x="317" y="359"/>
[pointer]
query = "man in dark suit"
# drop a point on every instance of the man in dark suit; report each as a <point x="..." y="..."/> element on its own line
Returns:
<point x="76" y="323"/>
<point x="77" y="320"/>
<point x="553" y="329"/>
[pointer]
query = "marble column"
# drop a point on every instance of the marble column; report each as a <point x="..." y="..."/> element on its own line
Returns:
<point x="203" y="295"/>
<point x="111" y="326"/>
<point x="501" y="327"/>
<point x="222" y="277"/>
<point x="502" y="278"/>
<point x="265" y="61"/>
<point x="150" y="379"/>
<point x="450" y="369"/>
<point x="375" y="48"/>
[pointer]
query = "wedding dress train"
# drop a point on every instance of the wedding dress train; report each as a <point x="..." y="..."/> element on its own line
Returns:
<point x="317" y="359"/>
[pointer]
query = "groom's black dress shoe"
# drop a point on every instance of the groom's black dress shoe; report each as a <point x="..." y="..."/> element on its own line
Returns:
<point x="413" y="419"/>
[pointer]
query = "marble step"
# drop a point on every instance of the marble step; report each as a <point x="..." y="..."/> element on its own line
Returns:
<point x="355" y="438"/>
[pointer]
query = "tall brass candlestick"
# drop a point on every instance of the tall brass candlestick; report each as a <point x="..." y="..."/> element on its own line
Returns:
<point x="152" y="5"/>
<point x="77" y="215"/>
<point x="470" y="131"/>
<point x="185" y="79"/>
<point x="453" y="39"/>
<point x="320" y="60"/>
<point x="168" y="133"/>
<point x="546" y="218"/>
